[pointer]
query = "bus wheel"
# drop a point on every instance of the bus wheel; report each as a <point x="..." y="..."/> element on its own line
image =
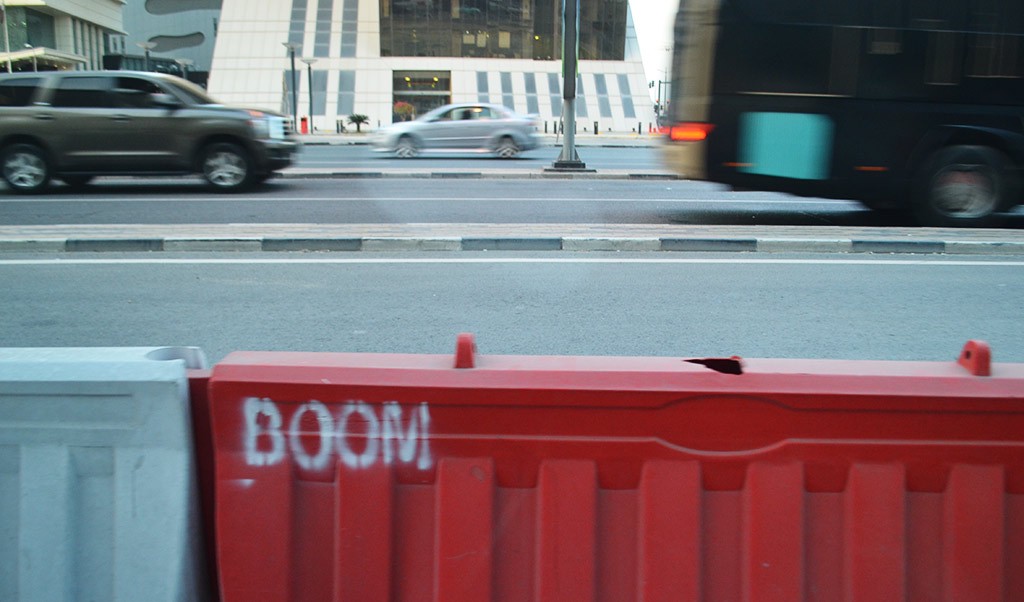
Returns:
<point x="963" y="186"/>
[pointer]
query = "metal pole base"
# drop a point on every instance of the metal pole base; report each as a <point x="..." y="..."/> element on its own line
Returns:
<point x="577" y="166"/>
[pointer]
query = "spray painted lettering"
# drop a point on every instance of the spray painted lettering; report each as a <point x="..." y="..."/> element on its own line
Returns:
<point x="388" y="434"/>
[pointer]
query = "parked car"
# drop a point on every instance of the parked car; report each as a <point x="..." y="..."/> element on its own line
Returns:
<point x="461" y="127"/>
<point x="75" y="125"/>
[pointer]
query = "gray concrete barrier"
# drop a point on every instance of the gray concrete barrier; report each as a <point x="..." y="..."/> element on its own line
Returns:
<point x="98" y="486"/>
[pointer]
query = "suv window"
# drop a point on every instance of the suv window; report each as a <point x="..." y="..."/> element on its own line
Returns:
<point x="83" y="92"/>
<point x="135" y="92"/>
<point x="18" y="92"/>
<point x="190" y="92"/>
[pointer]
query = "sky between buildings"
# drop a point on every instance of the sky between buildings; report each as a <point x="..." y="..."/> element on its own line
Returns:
<point x="653" y="20"/>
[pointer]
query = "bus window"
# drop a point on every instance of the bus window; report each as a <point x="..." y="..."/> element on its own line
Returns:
<point x="823" y="12"/>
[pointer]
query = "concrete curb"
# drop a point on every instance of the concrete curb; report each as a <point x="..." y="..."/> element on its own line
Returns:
<point x="498" y="243"/>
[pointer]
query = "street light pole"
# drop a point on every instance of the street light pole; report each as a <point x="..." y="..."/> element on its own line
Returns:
<point x="309" y="65"/>
<point x="183" y="63"/>
<point x="295" y="87"/>
<point x="7" y="37"/>
<point x="146" y="47"/>
<point x="569" y="159"/>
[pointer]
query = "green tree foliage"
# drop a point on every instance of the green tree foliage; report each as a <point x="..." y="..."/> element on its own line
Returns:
<point x="358" y="121"/>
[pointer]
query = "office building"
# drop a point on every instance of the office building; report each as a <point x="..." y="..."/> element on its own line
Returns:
<point x="57" y="34"/>
<point x="370" y="56"/>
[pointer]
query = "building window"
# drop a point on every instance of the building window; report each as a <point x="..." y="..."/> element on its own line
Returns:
<point x="627" y="97"/>
<point x="507" y="97"/>
<point x="995" y="46"/>
<point x="297" y="25"/>
<point x="555" y="93"/>
<point x="483" y="88"/>
<point x="346" y="92"/>
<point x="532" y="106"/>
<point x="424" y="90"/>
<point x="31" y="27"/>
<point x="322" y="38"/>
<point x="498" y="29"/>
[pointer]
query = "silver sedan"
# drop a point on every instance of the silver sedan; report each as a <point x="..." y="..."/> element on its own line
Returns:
<point x="459" y="128"/>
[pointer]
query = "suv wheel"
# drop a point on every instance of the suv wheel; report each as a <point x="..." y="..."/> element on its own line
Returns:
<point x="226" y="167"/>
<point x="507" y="148"/>
<point x="25" y="169"/>
<point x="964" y="186"/>
<point x="406" y="148"/>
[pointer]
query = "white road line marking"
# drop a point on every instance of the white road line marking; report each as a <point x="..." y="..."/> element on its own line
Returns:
<point x="249" y="200"/>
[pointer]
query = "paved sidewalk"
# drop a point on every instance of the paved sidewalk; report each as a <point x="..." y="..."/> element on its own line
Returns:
<point x="582" y="139"/>
<point x="409" y="169"/>
<point x="510" y="173"/>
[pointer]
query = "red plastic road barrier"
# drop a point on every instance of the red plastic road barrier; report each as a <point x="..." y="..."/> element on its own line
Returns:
<point x="401" y="477"/>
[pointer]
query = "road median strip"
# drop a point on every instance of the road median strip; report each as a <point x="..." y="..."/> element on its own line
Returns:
<point x="669" y="244"/>
<point x="300" y="173"/>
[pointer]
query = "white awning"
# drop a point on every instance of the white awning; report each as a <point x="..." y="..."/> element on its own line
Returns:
<point x="43" y="56"/>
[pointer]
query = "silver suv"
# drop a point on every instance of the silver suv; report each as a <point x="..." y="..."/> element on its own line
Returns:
<point x="75" y="125"/>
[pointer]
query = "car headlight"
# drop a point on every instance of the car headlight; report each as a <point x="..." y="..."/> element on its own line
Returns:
<point x="265" y="126"/>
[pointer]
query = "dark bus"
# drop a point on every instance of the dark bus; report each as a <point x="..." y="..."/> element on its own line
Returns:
<point x="904" y="105"/>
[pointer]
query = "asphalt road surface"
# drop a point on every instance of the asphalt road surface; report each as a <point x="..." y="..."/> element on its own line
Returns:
<point x="854" y="306"/>
<point x="388" y="201"/>
<point x="688" y="305"/>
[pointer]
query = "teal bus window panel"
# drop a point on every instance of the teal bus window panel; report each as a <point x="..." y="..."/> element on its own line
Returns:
<point x="786" y="145"/>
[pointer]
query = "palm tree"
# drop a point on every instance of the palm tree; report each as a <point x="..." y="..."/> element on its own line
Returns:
<point x="358" y="120"/>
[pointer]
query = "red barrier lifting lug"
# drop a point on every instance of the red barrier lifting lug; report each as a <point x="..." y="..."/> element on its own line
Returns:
<point x="465" y="351"/>
<point x="976" y="357"/>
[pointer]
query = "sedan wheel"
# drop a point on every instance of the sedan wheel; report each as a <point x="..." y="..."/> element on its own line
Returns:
<point x="507" y="149"/>
<point x="226" y="167"/>
<point x="406" y="148"/>
<point x="25" y="168"/>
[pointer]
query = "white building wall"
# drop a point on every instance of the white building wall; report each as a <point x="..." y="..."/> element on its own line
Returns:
<point x="248" y="57"/>
<point x="250" y="64"/>
<point x="104" y="13"/>
<point x="64" y="34"/>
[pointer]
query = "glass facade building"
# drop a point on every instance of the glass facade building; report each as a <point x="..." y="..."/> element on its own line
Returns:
<point x="44" y="35"/>
<point x="513" y="29"/>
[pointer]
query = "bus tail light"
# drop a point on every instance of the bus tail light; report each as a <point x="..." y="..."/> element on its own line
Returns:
<point x="690" y="132"/>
